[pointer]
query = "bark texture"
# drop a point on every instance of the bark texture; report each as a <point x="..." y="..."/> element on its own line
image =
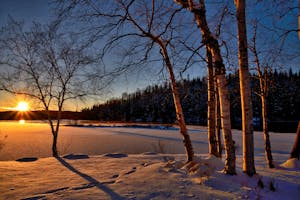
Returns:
<point x="211" y="103"/>
<point x="179" y="113"/>
<point x="212" y="44"/>
<point x="218" y="121"/>
<point x="245" y="90"/>
<point x="268" y="151"/>
<point x="226" y="125"/>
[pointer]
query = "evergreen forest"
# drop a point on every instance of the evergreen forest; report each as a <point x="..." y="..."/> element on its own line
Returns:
<point x="154" y="103"/>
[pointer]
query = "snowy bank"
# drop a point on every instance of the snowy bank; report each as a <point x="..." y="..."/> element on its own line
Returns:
<point x="155" y="176"/>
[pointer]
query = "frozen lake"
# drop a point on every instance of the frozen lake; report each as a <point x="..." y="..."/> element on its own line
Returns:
<point x="34" y="140"/>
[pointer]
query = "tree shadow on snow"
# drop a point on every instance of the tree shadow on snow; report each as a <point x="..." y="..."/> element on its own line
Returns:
<point x="91" y="180"/>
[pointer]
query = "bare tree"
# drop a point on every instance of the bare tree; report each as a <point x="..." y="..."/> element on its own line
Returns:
<point x="263" y="93"/>
<point x="245" y="90"/>
<point x="211" y="42"/>
<point x="138" y="32"/>
<point x="158" y="38"/>
<point x="47" y="65"/>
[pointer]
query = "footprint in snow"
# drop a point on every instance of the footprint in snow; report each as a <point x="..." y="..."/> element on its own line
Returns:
<point x="131" y="171"/>
<point x="75" y="156"/>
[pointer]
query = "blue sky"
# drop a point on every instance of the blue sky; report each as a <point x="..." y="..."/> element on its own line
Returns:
<point x="38" y="10"/>
<point x="28" y="10"/>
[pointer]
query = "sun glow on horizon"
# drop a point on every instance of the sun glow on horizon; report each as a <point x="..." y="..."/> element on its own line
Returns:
<point x="21" y="121"/>
<point x="22" y="106"/>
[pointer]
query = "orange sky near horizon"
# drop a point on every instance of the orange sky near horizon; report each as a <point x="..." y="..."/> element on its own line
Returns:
<point x="9" y="102"/>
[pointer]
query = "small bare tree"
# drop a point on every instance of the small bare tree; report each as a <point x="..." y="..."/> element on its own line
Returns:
<point x="47" y="65"/>
<point x="263" y="93"/>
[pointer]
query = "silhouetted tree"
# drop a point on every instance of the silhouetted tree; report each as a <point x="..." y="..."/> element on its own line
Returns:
<point x="48" y="65"/>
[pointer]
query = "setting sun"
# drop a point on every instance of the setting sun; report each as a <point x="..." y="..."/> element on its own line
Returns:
<point x="22" y="106"/>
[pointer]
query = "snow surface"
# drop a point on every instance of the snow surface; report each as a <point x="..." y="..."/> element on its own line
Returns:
<point x="135" y="163"/>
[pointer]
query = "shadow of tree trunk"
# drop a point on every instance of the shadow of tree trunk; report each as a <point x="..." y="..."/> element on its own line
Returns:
<point x="91" y="180"/>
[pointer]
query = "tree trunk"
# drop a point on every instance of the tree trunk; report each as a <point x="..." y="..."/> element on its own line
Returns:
<point x="54" y="134"/>
<point x="212" y="44"/>
<point x="218" y="122"/>
<point x="54" y="145"/>
<point x="245" y="90"/>
<point x="226" y="125"/>
<point x="220" y="71"/>
<point x="211" y="120"/>
<point x="263" y="91"/>
<point x="268" y="151"/>
<point x="179" y="113"/>
<point x="295" y="153"/>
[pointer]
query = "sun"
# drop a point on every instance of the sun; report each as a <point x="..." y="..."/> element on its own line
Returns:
<point x="22" y="106"/>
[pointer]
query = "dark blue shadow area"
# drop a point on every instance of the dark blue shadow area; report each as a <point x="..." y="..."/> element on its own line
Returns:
<point x="92" y="181"/>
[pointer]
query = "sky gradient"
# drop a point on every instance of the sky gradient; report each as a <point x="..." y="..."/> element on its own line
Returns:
<point x="39" y="10"/>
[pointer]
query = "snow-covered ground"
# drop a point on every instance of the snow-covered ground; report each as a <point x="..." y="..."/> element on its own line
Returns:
<point x="135" y="163"/>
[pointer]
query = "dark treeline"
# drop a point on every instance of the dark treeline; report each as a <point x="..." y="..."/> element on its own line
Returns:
<point x="154" y="104"/>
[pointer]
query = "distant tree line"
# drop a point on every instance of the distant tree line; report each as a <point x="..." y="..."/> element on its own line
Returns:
<point x="154" y="103"/>
<point x="39" y="115"/>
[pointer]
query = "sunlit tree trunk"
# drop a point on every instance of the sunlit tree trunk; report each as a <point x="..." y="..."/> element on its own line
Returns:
<point x="220" y="73"/>
<point x="211" y="120"/>
<point x="226" y="125"/>
<point x="245" y="90"/>
<point x="179" y="113"/>
<point x="218" y="121"/>
<point x="211" y="42"/>
<point x="295" y="153"/>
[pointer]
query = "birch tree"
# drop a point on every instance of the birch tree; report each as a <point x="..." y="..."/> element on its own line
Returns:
<point x="212" y="44"/>
<point x="263" y="93"/>
<point x="211" y="103"/>
<point x="141" y="31"/>
<point x="245" y="90"/>
<point x="158" y="38"/>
